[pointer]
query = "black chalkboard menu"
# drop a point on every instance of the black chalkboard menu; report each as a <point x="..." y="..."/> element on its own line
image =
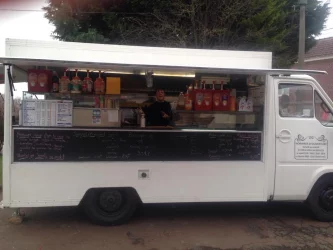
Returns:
<point x="38" y="145"/>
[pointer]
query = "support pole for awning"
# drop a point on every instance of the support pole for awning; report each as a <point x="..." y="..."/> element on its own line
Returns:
<point x="7" y="145"/>
<point x="10" y="79"/>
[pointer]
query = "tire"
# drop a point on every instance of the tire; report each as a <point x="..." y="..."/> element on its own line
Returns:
<point x="320" y="199"/>
<point x="110" y="206"/>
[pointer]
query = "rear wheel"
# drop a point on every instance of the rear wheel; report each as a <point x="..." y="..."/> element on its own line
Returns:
<point x="321" y="199"/>
<point x="111" y="206"/>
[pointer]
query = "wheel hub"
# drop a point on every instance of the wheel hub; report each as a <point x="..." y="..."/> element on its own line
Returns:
<point x="326" y="199"/>
<point x="110" y="201"/>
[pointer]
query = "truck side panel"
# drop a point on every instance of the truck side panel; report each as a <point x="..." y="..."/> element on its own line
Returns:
<point x="64" y="184"/>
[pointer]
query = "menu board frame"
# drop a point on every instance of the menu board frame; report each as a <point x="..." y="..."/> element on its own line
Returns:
<point x="47" y="113"/>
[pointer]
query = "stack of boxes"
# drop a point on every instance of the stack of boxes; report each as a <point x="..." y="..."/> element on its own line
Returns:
<point x="257" y="95"/>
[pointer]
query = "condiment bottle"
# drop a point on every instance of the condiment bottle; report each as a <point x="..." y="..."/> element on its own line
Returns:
<point x="97" y="101"/>
<point x="222" y="83"/>
<point x="107" y="102"/>
<point x="232" y="103"/>
<point x="76" y="84"/>
<point x="188" y="101"/>
<point x="101" y="102"/>
<point x="64" y="84"/>
<point x="87" y="84"/>
<point x="142" y="121"/>
<point x="181" y="101"/>
<point x="55" y="82"/>
<point x="196" y="84"/>
<point x="204" y="84"/>
<point x="99" y="85"/>
<point x="216" y="100"/>
<point x="110" y="103"/>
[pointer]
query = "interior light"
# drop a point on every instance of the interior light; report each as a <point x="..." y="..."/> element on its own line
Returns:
<point x="175" y="75"/>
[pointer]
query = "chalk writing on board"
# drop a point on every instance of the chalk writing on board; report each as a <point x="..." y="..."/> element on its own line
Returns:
<point x="72" y="145"/>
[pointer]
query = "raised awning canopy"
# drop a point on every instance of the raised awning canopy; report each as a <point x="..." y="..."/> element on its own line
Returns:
<point x="123" y="59"/>
<point x="23" y="64"/>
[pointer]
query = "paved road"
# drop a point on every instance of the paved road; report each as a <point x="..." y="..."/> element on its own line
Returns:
<point x="169" y="227"/>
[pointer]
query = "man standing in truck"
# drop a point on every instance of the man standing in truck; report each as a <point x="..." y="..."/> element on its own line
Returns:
<point x="159" y="113"/>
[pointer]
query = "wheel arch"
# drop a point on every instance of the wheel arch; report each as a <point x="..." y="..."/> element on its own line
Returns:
<point x="317" y="176"/>
<point x="130" y="189"/>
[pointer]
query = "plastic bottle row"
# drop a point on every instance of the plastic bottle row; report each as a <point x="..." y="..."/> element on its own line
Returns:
<point x="76" y="85"/>
<point x="207" y="99"/>
<point x="106" y="102"/>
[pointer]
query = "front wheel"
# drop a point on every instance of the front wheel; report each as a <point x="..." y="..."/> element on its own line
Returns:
<point x="111" y="206"/>
<point x="321" y="199"/>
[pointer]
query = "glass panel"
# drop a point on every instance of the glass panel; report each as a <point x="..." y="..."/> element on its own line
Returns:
<point x="296" y="100"/>
<point x="323" y="112"/>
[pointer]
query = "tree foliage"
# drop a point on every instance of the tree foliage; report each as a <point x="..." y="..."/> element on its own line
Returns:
<point x="264" y="25"/>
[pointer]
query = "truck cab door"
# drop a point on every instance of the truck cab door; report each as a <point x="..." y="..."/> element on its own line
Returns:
<point x="304" y="138"/>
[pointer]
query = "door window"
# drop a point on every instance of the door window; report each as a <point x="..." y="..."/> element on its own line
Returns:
<point x="322" y="111"/>
<point x="296" y="100"/>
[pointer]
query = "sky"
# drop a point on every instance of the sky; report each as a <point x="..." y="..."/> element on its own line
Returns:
<point x="328" y="30"/>
<point x="24" y="19"/>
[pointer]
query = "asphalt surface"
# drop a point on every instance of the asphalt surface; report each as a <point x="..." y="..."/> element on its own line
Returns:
<point x="174" y="227"/>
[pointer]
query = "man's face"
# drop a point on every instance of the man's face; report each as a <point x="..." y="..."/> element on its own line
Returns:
<point x="160" y="95"/>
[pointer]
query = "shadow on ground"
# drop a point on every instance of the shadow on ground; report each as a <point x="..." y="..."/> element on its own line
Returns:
<point x="184" y="210"/>
<point x="232" y="226"/>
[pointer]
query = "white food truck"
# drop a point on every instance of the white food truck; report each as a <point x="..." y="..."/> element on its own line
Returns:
<point x="240" y="132"/>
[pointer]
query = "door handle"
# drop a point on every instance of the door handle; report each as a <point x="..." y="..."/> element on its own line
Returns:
<point x="284" y="136"/>
<point x="279" y="136"/>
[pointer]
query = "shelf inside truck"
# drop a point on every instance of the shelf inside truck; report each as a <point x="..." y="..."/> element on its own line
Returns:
<point x="215" y="112"/>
